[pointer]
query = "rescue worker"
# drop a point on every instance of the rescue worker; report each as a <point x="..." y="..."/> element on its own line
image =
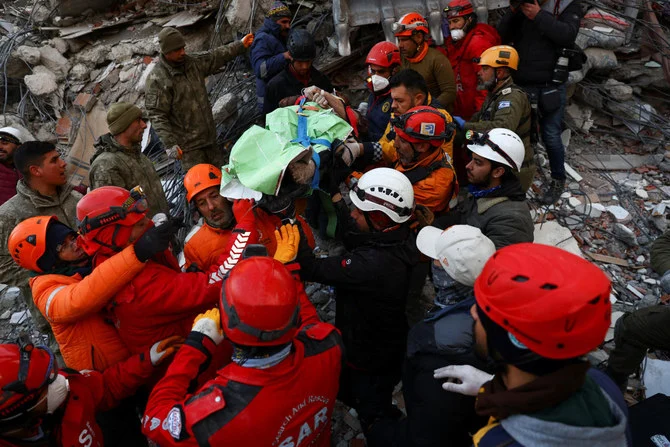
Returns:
<point x="45" y="405"/>
<point x="464" y="42"/>
<point x="539" y="310"/>
<point x="269" y="55"/>
<point x="506" y="105"/>
<point x="286" y="87"/>
<point x="10" y="139"/>
<point x="371" y="283"/>
<point x="41" y="192"/>
<point x="206" y="241"/>
<point x="70" y="294"/>
<point x="413" y="34"/>
<point x="177" y="101"/>
<point x="495" y="202"/>
<point x="118" y="159"/>
<point x="281" y="385"/>
<point x="542" y="32"/>
<point x="419" y="136"/>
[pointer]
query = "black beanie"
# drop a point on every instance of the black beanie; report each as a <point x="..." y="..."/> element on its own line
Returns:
<point x="56" y="234"/>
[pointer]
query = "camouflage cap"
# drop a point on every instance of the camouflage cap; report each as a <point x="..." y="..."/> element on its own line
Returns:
<point x="121" y="115"/>
<point x="170" y="39"/>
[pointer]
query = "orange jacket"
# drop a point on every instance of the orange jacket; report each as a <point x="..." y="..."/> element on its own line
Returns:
<point x="437" y="189"/>
<point x="72" y="306"/>
<point x="203" y="245"/>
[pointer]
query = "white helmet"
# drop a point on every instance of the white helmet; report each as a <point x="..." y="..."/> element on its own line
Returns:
<point x="461" y="249"/>
<point x="12" y="132"/>
<point x="501" y="145"/>
<point x="385" y="190"/>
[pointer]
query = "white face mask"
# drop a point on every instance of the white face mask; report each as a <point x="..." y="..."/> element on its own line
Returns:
<point x="379" y="83"/>
<point x="457" y="34"/>
<point x="57" y="393"/>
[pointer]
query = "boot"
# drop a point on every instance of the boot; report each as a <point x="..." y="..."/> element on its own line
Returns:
<point x="553" y="193"/>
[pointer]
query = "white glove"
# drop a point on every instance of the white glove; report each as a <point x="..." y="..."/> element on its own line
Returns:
<point x="163" y="349"/>
<point x="349" y="150"/>
<point x="310" y="91"/>
<point x="470" y="379"/>
<point x="209" y="324"/>
<point x="174" y="153"/>
<point x="321" y="100"/>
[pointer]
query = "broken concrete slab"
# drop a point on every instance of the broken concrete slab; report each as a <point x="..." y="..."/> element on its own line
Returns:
<point x="625" y="234"/>
<point x="29" y="55"/>
<point x="79" y="72"/>
<point x="616" y="162"/>
<point x="54" y="61"/>
<point x="122" y="52"/>
<point x="75" y="8"/>
<point x="93" y="55"/>
<point x="617" y="90"/>
<point x="554" y="234"/>
<point x="42" y="82"/>
<point x="620" y="213"/>
<point x="579" y="117"/>
<point x="225" y="107"/>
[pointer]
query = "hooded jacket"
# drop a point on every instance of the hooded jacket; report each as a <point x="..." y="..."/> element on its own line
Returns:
<point x="462" y="55"/>
<point x="115" y="165"/>
<point x="267" y="56"/>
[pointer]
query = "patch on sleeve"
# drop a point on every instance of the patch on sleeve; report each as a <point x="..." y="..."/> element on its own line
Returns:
<point x="173" y="423"/>
<point x="345" y="262"/>
<point x="506" y="91"/>
<point x="503" y="104"/>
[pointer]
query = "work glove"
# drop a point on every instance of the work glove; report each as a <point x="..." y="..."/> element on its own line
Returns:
<point x="424" y="216"/>
<point x="163" y="349"/>
<point x="248" y="40"/>
<point x="460" y="122"/>
<point x="349" y="151"/>
<point x="468" y="379"/>
<point x="174" y="153"/>
<point x="156" y="239"/>
<point x="209" y="324"/>
<point x="309" y="92"/>
<point x="288" y="240"/>
<point x="665" y="282"/>
<point x="321" y="100"/>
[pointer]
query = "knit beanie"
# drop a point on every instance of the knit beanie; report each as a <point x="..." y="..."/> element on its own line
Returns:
<point x="121" y="115"/>
<point x="56" y="234"/>
<point x="170" y="39"/>
<point x="278" y="11"/>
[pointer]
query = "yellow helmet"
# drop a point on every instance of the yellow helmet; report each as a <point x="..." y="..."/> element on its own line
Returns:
<point x="500" y="56"/>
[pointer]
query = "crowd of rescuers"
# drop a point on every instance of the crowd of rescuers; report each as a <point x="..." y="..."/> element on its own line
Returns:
<point x="220" y="344"/>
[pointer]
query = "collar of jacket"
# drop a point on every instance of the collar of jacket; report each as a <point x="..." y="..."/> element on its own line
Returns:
<point x="380" y="239"/>
<point x="37" y="199"/>
<point x="271" y="27"/>
<point x="419" y="57"/>
<point x="109" y="144"/>
<point x="171" y="69"/>
<point x="506" y="83"/>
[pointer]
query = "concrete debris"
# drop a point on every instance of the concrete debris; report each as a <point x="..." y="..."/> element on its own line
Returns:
<point x="225" y="107"/>
<point x="625" y="234"/>
<point x="122" y="52"/>
<point x="620" y="213"/>
<point x="19" y="317"/>
<point x="29" y="55"/>
<point x="618" y="90"/>
<point x="52" y="59"/>
<point x="79" y="72"/>
<point x="42" y="82"/>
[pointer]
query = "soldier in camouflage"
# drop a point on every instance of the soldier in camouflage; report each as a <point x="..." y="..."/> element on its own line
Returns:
<point x="119" y="161"/>
<point x="506" y="106"/>
<point x="177" y="102"/>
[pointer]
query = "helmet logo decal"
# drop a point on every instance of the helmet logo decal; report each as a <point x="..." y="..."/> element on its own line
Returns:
<point x="515" y="341"/>
<point x="427" y="129"/>
<point x="386" y="107"/>
<point x="32" y="239"/>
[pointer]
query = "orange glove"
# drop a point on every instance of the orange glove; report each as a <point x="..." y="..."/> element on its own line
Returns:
<point x="209" y="324"/>
<point x="248" y="40"/>
<point x="164" y="349"/>
<point x="288" y="239"/>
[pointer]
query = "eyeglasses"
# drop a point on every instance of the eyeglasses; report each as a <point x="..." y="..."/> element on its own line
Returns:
<point x="366" y="196"/>
<point x="399" y="27"/>
<point x="400" y="122"/>
<point x="69" y="242"/>
<point x="136" y="203"/>
<point x="482" y="139"/>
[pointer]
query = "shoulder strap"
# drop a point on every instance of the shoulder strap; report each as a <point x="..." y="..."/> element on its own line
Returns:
<point x="422" y="172"/>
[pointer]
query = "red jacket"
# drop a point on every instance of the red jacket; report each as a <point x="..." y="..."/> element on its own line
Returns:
<point x="288" y="404"/>
<point x="461" y="55"/>
<point x="8" y="179"/>
<point x="91" y="392"/>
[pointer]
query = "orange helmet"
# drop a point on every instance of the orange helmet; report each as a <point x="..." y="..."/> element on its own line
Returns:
<point x="28" y="241"/>
<point x="199" y="178"/>
<point x="106" y="216"/>
<point x="384" y="54"/>
<point x="409" y="24"/>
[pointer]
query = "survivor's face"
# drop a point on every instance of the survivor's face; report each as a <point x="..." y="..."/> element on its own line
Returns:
<point x="456" y="23"/>
<point x="69" y="250"/>
<point x="486" y="77"/>
<point x="285" y="25"/>
<point x="214" y="207"/>
<point x="481" y="348"/>
<point x="359" y="218"/>
<point x="139" y="229"/>
<point x="52" y="169"/>
<point x="302" y="67"/>
<point x="176" y="56"/>
<point x="479" y="170"/>
<point x="136" y="130"/>
<point x="403" y="100"/>
<point x="7" y="150"/>
<point x="408" y="46"/>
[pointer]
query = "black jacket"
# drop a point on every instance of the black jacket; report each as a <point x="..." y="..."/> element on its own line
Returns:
<point x="284" y="84"/>
<point x="538" y="41"/>
<point x="371" y="283"/>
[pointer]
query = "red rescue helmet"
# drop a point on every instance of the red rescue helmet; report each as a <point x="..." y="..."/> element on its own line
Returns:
<point x="458" y="8"/>
<point x="259" y="303"/>
<point x="384" y="54"/>
<point x="25" y="372"/>
<point x="106" y="215"/>
<point x="199" y="178"/>
<point x="422" y="124"/>
<point x="409" y="24"/>
<point x="552" y="302"/>
<point x="28" y="242"/>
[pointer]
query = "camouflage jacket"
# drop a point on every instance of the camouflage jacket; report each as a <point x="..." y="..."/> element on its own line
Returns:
<point x="29" y="203"/>
<point x="116" y="165"/>
<point x="177" y="101"/>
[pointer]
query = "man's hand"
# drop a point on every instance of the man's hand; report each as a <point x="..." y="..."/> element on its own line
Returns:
<point x="287" y="56"/>
<point x="288" y="240"/>
<point x="424" y="215"/>
<point x="468" y="379"/>
<point x="174" y="153"/>
<point x="288" y="101"/>
<point x="349" y="151"/>
<point x="530" y="10"/>
<point x="209" y="324"/>
<point x="156" y="239"/>
<point x="165" y="348"/>
<point x="248" y="40"/>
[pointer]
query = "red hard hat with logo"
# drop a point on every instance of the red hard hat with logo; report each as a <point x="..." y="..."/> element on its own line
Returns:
<point x="27" y="241"/>
<point x="409" y="24"/>
<point x="106" y="216"/>
<point x="259" y="303"/>
<point x="422" y="124"/>
<point x="25" y="372"/>
<point x="199" y="178"/>
<point x="458" y="8"/>
<point x="384" y="54"/>
<point x="553" y="302"/>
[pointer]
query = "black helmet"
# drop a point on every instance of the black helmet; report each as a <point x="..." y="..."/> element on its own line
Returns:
<point x="301" y="45"/>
